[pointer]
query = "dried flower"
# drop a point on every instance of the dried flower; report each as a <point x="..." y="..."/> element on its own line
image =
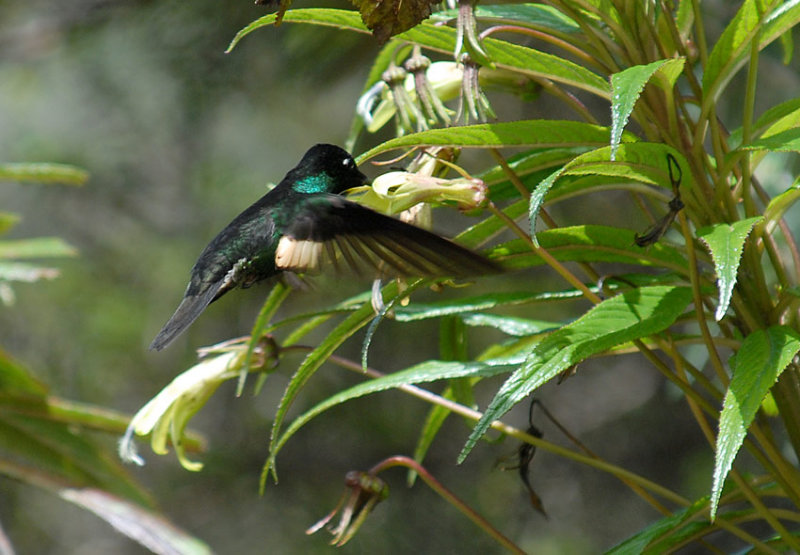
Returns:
<point x="364" y="491"/>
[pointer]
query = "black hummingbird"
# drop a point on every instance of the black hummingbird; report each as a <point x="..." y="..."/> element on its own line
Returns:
<point x="302" y="225"/>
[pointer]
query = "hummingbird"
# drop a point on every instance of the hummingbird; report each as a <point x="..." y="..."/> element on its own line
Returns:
<point x="304" y="225"/>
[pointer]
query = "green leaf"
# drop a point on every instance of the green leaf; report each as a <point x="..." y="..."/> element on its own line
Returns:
<point x="635" y="161"/>
<point x="44" y="173"/>
<point x="780" y="22"/>
<point x="590" y="243"/>
<point x="341" y="19"/>
<point x="468" y="305"/>
<point x="782" y="141"/>
<point x="778" y="206"/>
<point x="540" y="133"/>
<point x="729" y="51"/>
<point x="504" y="54"/>
<point x="733" y="46"/>
<point x="631" y="315"/>
<point x="311" y="364"/>
<point x="510" y="325"/>
<point x="726" y="242"/>
<point x="430" y="371"/>
<point x="142" y="525"/>
<point x="14" y="378"/>
<point x="491" y="226"/>
<point x="626" y="87"/>
<point x="271" y="305"/>
<point x="537" y="200"/>
<point x="529" y="15"/>
<point x="33" y="439"/>
<point x="764" y="354"/>
<point x="785" y="115"/>
<point x="531" y="167"/>
<point x="42" y="247"/>
<point x="666" y="526"/>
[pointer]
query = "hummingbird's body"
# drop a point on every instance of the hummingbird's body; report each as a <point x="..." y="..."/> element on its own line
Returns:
<point x="303" y="224"/>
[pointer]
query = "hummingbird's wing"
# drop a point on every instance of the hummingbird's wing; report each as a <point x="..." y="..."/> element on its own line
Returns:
<point x="332" y="230"/>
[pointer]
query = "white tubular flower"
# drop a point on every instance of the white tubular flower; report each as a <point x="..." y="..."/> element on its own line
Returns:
<point x="395" y="192"/>
<point x="168" y="413"/>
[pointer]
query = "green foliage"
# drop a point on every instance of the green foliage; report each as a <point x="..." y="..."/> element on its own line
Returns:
<point x="48" y="442"/>
<point x="660" y="67"/>
<point x="728" y="246"/>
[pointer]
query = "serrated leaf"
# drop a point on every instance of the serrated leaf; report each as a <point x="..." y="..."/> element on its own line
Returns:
<point x="510" y="325"/>
<point x="271" y="305"/>
<point x="625" y="317"/>
<point x="469" y="305"/>
<point x="782" y="141"/>
<point x="345" y="329"/>
<point x="540" y="133"/>
<point x="733" y="46"/>
<point x="504" y="54"/>
<point x="626" y="87"/>
<point x="590" y="243"/>
<point x="725" y="242"/>
<point x="729" y="50"/>
<point x="537" y="200"/>
<point x="43" y="173"/>
<point x="635" y="161"/>
<point x="483" y="231"/>
<point x="527" y="166"/>
<point x="785" y="115"/>
<point x="764" y="354"/>
<point x="529" y="15"/>
<point x="340" y="19"/>
<point x="668" y="525"/>
<point x="430" y="371"/>
<point x="41" y="247"/>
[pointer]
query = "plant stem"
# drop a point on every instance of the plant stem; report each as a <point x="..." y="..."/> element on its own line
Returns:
<point x="448" y="496"/>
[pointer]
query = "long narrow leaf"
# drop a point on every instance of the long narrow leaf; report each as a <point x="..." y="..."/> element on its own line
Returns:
<point x="429" y="371"/>
<point x="764" y="354"/>
<point x="631" y="315"/>
<point x="626" y="87"/>
<point x="504" y="54"/>
<point x="726" y="242"/>
<point x="539" y="133"/>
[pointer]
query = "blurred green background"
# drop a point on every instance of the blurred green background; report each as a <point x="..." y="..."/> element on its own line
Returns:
<point x="179" y="137"/>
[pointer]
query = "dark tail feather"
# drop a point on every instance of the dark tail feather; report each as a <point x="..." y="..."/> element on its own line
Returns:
<point x="187" y="312"/>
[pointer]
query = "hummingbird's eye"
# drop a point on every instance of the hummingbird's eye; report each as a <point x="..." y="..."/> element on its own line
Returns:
<point x="348" y="163"/>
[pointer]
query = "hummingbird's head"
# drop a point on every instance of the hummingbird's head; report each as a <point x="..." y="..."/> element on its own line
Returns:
<point x="327" y="169"/>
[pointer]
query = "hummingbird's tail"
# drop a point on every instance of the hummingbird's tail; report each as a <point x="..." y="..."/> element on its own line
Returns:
<point x="187" y="312"/>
